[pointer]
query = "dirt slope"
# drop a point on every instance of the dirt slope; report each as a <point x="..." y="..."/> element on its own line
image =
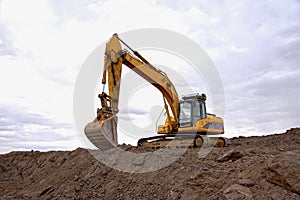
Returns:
<point x="248" y="168"/>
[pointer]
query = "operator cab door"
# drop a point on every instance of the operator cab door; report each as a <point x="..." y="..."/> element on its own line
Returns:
<point x="191" y="112"/>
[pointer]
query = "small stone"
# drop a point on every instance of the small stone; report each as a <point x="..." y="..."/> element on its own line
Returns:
<point x="231" y="155"/>
<point x="76" y="178"/>
<point x="47" y="190"/>
<point x="246" y="182"/>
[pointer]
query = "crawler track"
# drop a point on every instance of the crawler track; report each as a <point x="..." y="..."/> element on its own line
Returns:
<point x="179" y="141"/>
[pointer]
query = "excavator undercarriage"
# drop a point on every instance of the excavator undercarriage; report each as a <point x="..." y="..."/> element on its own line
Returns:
<point x="178" y="140"/>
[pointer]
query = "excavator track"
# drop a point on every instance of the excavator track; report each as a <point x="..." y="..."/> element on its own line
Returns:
<point x="174" y="141"/>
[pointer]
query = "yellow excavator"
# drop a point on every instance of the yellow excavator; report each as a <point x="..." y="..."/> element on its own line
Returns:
<point x="186" y="119"/>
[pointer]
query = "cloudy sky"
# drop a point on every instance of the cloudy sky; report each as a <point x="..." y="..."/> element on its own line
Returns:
<point x="255" y="46"/>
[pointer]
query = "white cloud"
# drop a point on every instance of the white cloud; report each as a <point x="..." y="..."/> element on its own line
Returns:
<point x="254" y="45"/>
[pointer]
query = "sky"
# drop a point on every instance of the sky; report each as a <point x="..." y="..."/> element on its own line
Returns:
<point x="255" y="46"/>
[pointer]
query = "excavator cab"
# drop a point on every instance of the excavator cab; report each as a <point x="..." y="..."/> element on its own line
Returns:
<point x="192" y="109"/>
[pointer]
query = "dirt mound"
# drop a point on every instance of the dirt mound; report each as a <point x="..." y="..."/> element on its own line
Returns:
<point x="265" y="167"/>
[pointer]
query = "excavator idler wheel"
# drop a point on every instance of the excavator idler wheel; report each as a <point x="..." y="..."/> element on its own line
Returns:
<point x="143" y="143"/>
<point x="198" y="142"/>
<point x="218" y="142"/>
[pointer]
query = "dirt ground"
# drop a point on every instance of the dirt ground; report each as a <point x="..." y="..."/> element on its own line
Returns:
<point x="265" y="167"/>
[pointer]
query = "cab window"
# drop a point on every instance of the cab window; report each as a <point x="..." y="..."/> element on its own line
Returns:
<point x="185" y="114"/>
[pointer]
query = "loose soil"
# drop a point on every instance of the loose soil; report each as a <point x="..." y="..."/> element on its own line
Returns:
<point x="266" y="167"/>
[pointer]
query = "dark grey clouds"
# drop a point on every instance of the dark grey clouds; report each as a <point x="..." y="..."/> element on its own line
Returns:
<point x="23" y="130"/>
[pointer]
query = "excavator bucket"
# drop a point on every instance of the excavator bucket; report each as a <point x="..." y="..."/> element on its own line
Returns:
<point x="103" y="134"/>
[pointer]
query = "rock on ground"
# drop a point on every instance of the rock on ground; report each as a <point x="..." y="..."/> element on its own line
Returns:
<point x="284" y="170"/>
<point x="248" y="168"/>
